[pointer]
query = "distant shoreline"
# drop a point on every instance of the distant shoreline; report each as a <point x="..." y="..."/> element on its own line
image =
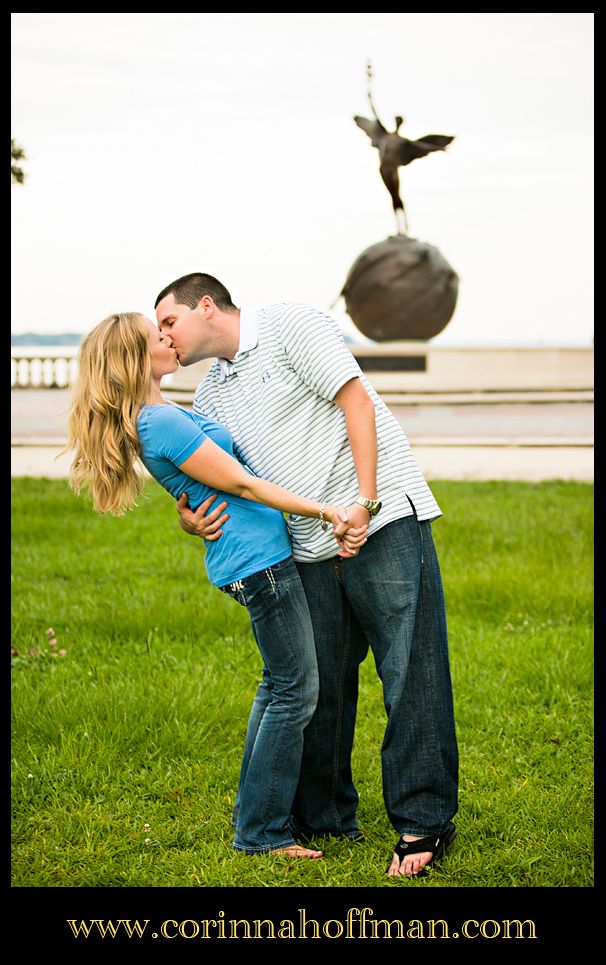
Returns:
<point x="39" y="350"/>
<point x="38" y="339"/>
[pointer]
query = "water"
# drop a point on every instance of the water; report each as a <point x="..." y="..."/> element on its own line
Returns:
<point x="41" y="350"/>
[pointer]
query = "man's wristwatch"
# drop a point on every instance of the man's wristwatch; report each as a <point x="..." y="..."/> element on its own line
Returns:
<point x="372" y="505"/>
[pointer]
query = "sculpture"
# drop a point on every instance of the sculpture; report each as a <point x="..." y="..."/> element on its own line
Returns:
<point x="396" y="151"/>
<point x="400" y="288"/>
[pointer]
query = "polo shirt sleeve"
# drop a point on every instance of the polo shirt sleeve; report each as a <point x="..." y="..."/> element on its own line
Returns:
<point x="172" y="434"/>
<point x="316" y="350"/>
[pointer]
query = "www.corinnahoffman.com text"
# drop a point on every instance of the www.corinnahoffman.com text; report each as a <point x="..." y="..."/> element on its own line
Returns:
<point x="357" y="923"/>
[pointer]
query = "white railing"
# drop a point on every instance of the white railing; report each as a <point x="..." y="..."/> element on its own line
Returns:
<point x="56" y="370"/>
<point x="49" y="370"/>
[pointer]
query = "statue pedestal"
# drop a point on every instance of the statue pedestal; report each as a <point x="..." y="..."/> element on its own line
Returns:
<point x="392" y="363"/>
<point x="486" y="374"/>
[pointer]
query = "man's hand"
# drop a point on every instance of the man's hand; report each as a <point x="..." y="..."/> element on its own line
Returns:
<point x="351" y="535"/>
<point x="198" y="523"/>
<point x="357" y="517"/>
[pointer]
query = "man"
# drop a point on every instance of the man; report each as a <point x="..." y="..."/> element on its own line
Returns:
<point x="304" y="416"/>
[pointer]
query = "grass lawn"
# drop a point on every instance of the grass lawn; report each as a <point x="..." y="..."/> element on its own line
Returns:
<point x="127" y="733"/>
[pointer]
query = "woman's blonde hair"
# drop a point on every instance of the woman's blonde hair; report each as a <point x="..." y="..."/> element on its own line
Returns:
<point x="114" y="372"/>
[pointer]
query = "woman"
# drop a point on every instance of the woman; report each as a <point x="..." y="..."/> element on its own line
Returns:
<point x="119" y="416"/>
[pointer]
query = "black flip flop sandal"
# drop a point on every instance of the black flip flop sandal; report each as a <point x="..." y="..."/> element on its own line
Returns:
<point x="436" y="843"/>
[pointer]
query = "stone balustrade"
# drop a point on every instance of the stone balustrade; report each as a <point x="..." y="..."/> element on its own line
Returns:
<point x="391" y="368"/>
<point x="55" y="370"/>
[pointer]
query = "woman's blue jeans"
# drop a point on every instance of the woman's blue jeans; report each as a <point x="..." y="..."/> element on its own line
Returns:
<point x="391" y="597"/>
<point x="284" y="704"/>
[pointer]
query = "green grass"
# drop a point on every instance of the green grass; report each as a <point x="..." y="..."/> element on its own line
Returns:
<point x="126" y="748"/>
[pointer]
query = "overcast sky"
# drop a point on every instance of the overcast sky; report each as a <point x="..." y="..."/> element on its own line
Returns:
<point x="160" y="144"/>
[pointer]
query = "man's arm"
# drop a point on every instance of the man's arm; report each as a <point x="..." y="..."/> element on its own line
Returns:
<point x="359" y="411"/>
<point x="317" y="352"/>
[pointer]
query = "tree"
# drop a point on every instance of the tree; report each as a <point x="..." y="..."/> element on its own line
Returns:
<point x="17" y="154"/>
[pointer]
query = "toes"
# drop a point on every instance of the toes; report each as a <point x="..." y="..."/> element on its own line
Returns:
<point x="296" y="852"/>
<point x="420" y="861"/>
<point x="408" y="866"/>
<point x="397" y="868"/>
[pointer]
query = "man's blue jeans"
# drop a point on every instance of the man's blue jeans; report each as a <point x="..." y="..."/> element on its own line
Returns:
<point x="283" y="706"/>
<point x="391" y="597"/>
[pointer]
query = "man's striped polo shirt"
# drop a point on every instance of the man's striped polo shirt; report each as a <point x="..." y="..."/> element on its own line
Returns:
<point x="276" y="399"/>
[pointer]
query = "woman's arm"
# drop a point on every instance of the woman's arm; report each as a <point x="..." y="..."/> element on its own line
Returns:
<point x="213" y="466"/>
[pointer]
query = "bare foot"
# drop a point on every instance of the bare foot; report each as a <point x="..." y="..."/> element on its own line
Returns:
<point x="295" y="851"/>
<point x="411" y="864"/>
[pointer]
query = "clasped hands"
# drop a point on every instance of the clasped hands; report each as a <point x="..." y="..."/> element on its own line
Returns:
<point x="349" y="532"/>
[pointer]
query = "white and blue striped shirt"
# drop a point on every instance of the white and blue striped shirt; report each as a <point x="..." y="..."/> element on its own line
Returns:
<point x="276" y="398"/>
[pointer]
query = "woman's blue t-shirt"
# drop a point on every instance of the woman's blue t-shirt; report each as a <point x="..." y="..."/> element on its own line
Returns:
<point x="255" y="536"/>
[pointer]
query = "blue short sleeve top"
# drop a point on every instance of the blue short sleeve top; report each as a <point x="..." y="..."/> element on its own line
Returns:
<point x="255" y="536"/>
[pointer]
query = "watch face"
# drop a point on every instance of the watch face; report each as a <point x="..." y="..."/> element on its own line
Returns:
<point x="372" y="505"/>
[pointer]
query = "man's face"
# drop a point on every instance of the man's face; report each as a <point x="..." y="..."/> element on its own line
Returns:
<point x="185" y="329"/>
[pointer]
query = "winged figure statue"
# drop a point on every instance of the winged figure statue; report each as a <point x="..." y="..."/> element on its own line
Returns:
<point x="396" y="151"/>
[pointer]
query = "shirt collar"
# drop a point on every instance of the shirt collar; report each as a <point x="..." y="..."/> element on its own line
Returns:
<point x="249" y="336"/>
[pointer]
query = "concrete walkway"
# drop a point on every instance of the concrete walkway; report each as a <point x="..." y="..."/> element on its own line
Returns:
<point x="470" y="439"/>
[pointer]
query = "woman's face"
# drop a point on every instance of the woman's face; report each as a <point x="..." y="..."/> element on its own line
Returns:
<point x="163" y="357"/>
